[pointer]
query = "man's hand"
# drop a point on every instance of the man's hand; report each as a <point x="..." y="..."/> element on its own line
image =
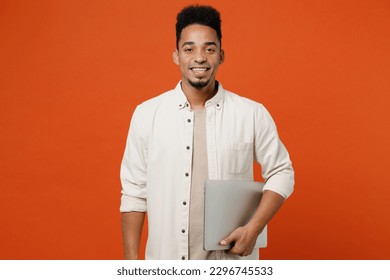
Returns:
<point x="244" y="239"/>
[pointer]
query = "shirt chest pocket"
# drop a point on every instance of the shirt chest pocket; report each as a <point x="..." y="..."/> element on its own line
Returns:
<point x="239" y="156"/>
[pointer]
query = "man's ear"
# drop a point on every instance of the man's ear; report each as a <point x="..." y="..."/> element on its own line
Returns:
<point x="175" y="56"/>
<point x="222" y="56"/>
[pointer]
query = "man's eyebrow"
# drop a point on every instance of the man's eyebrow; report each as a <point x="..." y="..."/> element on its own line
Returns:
<point x="188" y="43"/>
<point x="210" y="44"/>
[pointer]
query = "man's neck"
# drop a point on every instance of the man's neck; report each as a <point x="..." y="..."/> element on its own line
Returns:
<point x="197" y="97"/>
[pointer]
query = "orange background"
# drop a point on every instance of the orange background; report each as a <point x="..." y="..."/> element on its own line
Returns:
<point x="72" y="72"/>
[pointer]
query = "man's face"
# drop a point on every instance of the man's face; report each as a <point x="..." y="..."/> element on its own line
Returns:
<point x="199" y="55"/>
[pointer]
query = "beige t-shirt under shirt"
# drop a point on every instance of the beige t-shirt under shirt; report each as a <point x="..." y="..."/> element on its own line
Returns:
<point x="199" y="175"/>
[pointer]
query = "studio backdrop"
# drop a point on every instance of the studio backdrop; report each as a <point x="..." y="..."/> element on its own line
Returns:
<point x="72" y="73"/>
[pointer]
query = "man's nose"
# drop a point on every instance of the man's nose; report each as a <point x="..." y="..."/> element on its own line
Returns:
<point x="200" y="57"/>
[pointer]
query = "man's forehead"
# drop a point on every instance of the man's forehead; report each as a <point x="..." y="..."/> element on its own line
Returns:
<point x="199" y="34"/>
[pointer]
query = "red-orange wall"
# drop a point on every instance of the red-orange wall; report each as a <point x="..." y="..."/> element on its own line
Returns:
<point x="72" y="72"/>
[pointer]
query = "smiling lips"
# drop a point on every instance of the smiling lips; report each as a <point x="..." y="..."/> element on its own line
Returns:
<point x="199" y="70"/>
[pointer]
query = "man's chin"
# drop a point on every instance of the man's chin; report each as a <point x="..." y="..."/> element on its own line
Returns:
<point x="199" y="84"/>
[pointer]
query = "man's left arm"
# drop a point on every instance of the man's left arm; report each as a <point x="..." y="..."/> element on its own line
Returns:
<point x="278" y="173"/>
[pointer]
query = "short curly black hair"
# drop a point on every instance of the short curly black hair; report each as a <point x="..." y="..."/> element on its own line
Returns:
<point x="203" y="15"/>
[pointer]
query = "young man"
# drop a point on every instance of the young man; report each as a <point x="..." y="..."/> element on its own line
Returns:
<point x="197" y="131"/>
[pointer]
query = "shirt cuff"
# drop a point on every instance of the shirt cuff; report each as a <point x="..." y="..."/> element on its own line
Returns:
<point x="132" y="204"/>
<point x="282" y="184"/>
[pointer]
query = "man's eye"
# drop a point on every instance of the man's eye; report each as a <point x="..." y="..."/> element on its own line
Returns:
<point x="187" y="50"/>
<point x="211" y="50"/>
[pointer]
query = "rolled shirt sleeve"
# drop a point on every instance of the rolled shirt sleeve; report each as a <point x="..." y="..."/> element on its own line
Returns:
<point x="133" y="167"/>
<point x="272" y="155"/>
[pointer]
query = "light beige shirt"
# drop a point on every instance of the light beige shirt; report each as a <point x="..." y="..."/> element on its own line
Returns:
<point x="157" y="163"/>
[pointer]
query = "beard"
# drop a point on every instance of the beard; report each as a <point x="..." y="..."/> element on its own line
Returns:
<point x="199" y="84"/>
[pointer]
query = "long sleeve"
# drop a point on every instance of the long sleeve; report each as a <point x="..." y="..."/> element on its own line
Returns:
<point x="133" y="168"/>
<point x="272" y="155"/>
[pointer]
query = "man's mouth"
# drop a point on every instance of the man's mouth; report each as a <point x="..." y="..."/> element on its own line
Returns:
<point x="199" y="69"/>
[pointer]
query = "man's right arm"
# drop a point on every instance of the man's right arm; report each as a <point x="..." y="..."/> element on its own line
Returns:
<point x="132" y="223"/>
<point x="133" y="179"/>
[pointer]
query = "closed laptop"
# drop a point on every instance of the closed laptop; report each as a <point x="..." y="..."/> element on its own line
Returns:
<point x="229" y="205"/>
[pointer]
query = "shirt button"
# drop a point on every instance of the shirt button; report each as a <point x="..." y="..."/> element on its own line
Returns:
<point x="187" y="174"/>
<point x="189" y="120"/>
<point x="183" y="230"/>
<point x="183" y="258"/>
<point x="188" y="147"/>
<point x="217" y="105"/>
<point x="184" y="203"/>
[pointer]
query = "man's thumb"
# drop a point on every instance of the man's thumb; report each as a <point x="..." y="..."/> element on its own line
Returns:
<point x="227" y="240"/>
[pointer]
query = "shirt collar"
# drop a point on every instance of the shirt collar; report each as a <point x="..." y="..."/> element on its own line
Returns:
<point x="216" y="100"/>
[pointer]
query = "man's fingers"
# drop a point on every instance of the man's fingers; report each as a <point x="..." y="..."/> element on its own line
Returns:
<point x="239" y="250"/>
<point x="232" y="237"/>
<point x="242" y="246"/>
<point x="226" y="241"/>
<point x="235" y="250"/>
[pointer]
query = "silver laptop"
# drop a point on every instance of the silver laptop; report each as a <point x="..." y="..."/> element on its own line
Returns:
<point x="229" y="205"/>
